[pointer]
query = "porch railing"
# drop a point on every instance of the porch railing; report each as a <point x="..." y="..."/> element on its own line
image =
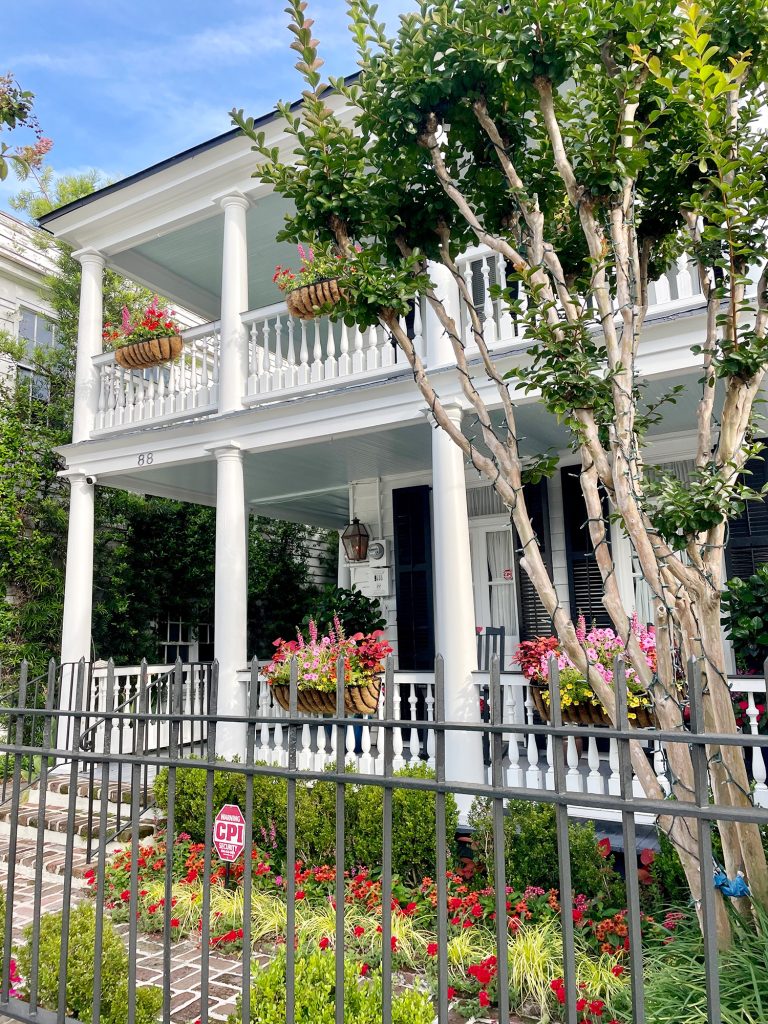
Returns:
<point x="288" y="355"/>
<point x="187" y="386"/>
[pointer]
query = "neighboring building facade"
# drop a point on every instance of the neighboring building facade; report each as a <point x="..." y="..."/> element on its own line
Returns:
<point x="318" y="423"/>
<point x="24" y="311"/>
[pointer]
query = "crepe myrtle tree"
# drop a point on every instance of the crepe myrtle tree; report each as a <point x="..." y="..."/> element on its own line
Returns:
<point x="587" y="145"/>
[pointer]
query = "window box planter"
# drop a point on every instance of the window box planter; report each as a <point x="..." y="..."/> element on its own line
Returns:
<point x="586" y="714"/>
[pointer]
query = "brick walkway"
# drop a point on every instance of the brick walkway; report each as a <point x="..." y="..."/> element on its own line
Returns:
<point x="225" y="973"/>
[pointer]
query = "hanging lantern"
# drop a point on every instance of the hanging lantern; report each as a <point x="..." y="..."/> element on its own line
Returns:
<point x="355" y="541"/>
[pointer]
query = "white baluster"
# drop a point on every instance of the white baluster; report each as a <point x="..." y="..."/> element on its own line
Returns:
<point x="532" y="773"/>
<point x="614" y="783"/>
<point x="489" y="313"/>
<point x="514" y="772"/>
<point x="469" y="334"/>
<point x="150" y="400"/>
<point x="161" y="389"/>
<point x="317" y="355"/>
<point x="684" y="284"/>
<point x="358" y="356"/>
<point x="304" y="371"/>
<point x="414" y="748"/>
<point x="291" y="370"/>
<point x="372" y="353"/>
<point x="216" y="355"/>
<point x="345" y="360"/>
<point x="331" y="364"/>
<point x="594" y="779"/>
<point x="573" y="780"/>
<point x="305" y="758"/>
<point x="506" y="323"/>
<point x="102" y="407"/>
<point x="760" y="794"/>
<point x="120" y="396"/>
<point x="254" y="360"/>
<point x="365" y="761"/>
<point x="266" y="383"/>
<point x="549" y="775"/>
<point x="397" y="734"/>
<point x="321" y="756"/>
<point x="280" y="754"/>
<point x="129" y="398"/>
<point x="349" y="744"/>
<point x="661" y="292"/>
<point x="205" y="390"/>
<point x="429" y="703"/>
<point x="279" y="374"/>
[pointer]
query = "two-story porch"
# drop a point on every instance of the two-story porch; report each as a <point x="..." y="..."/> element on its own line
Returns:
<point x="318" y="423"/>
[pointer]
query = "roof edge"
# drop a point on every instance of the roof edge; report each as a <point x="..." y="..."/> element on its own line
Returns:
<point x="171" y="161"/>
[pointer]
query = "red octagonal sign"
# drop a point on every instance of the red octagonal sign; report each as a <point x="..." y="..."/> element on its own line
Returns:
<point x="229" y="832"/>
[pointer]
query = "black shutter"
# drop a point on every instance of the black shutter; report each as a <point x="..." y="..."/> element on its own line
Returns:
<point x="747" y="546"/>
<point x="533" y="617"/>
<point x="585" y="581"/>
<point x="413" y="578"/>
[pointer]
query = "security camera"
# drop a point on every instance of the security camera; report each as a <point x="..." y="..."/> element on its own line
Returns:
<point x="91" y="480"/>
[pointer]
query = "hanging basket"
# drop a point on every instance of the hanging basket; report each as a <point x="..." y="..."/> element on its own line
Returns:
<point x="141" y="354"/>
<point x="586" y="714"/>
<point x="358" y="700"/>
<point x="305" y="301"/>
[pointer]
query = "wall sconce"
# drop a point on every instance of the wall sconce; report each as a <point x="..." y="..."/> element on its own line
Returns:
<point x="355" y="541"/>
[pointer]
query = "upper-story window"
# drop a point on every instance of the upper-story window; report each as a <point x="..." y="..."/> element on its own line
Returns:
<point x="37" y="331"/>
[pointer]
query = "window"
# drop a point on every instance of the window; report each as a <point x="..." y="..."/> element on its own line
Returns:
<point x="37" y="330"/>
<point x="38" y="383"/>
<point x="747" y="546"/>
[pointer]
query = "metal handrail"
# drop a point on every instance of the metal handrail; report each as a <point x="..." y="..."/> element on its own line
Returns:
<point x="103" y="715"/>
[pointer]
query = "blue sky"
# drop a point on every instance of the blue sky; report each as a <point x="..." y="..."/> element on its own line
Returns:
<point x="120" y="86"/>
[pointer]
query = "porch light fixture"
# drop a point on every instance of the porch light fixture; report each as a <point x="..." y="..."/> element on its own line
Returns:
<point x="355" y="541"/>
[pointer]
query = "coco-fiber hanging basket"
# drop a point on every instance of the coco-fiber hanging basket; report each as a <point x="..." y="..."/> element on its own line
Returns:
<point x="358" y="700"/>
<point x="141" y="354"/>
<point x="304" y="302"/>
<point x="586" y="714"/>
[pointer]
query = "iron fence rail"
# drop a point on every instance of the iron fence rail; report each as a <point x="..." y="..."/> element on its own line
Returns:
<point x="160" y="738"/>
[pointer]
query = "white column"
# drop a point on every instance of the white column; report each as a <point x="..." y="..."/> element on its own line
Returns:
<point x="78" y="580"/>
<point x="621" y="549"/>
<point x="455" y="636"/>
<point x="89" y="338"/>
<point x="233" y="367"/>
<point x="231" y="596"/>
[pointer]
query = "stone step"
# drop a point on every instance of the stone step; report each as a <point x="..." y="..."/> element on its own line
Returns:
<point x="55" y="820"/>
<point x="54" y="859"/>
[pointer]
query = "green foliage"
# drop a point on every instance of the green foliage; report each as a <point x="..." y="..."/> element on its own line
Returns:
<point x="16" y="112"/>
<point x="414" y="849"/>
<point x="530" y="850"/>
<point x="675" y="978"/>
<point x="413" y="817"/>
<point x="745" y="604"/>
<point x="315" y="987"/>
<point x="356" y="612"/>
<point x="81" y="956"/>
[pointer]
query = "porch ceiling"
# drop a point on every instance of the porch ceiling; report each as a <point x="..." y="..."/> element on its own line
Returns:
<point x="308" y="483"/>
<point x="186" y="264"/>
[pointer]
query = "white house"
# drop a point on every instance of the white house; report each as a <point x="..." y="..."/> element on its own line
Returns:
<point x="24" y="311"/>
<point x="317" y="423"/>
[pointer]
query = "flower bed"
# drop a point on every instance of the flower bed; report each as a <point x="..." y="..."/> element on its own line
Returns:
<point x="533" y="916"/>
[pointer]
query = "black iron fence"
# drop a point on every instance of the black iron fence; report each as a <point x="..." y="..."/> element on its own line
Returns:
<point x="106" y="749"/>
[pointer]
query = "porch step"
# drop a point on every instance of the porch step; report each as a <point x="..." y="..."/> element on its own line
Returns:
<point x="56" y="820"/>
<point x="54" y="859"/>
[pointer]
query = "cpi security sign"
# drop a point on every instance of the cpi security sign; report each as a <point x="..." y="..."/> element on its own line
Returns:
<point x="229" y="832"/>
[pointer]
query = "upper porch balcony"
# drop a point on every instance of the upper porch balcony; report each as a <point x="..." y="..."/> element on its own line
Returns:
<point x="288" y="358"/>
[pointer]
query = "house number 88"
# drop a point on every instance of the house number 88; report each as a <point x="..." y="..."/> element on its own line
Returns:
<point x="146" y="460"/>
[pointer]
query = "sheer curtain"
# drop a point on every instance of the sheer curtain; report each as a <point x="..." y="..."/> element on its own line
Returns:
<point x="501" y="580"/>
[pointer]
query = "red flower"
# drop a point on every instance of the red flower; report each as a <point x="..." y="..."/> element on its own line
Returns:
<point x="604" y="847"/>
<point x="359" y="930"/>
<point x="125" y="896"/>
<point x="596" y="1007"/>
<point x="451" y="992"/>
<point x="364" y="969"/>
<point x="175" y="922"/>
<point x="617" y="970"/>
<point x="477" y="910"/>
<point x="393" y="943"/>
<point x="484" y="999"/>
<point x="300" y="894"/>
<point x="581" y="1004"/>
<point x="324" y="942"/>
<point x="432" y="949"/>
